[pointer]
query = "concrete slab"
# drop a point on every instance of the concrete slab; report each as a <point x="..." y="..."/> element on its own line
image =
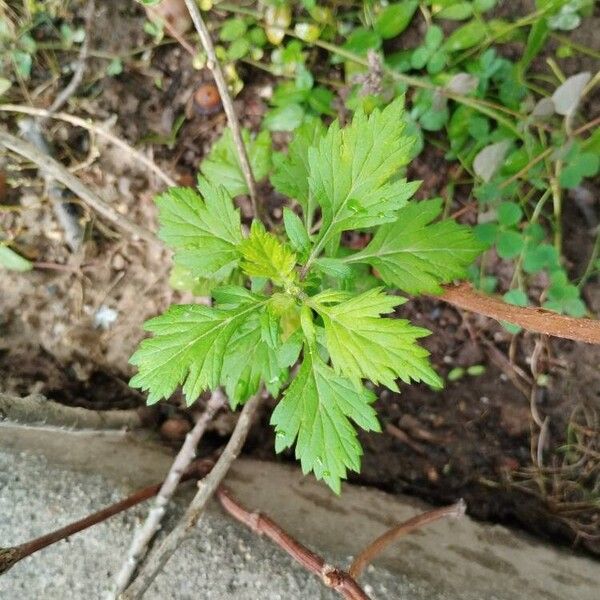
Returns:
<point x="48" y="478"/>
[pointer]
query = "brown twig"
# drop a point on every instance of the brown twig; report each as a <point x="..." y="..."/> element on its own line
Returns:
<point x="514" y="373"/>
<point x="10" y="556"/>
<point x="533" y="319"/>
<point x="70" y="89"/>
<point x="145" y="533"/>
<point x="383" y="541"/>
<point x="159" y="557"/>
<point x="339" y="580"/>
<point x="404" y="438"/>
<point x="215" y="68"/>
<point x="58" y="171"/>
<point x="93" y="128"/>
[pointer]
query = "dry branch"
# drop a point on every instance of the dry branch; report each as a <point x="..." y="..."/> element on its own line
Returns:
<point x="79" y="70"/>
<point x="96" y="129"/>
<point x="185" y="456"/>
<point x="537" y="320"/>
<point x="159" y="557"/>
<point x="332" y="577"/>
<point x="215" y="68"/>
<point x="377" y="546"/>
<point x="58" y="171"/>
<point x="10" y="556"/>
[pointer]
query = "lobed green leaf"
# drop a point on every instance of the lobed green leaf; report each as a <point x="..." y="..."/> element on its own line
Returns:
<point x="351" y="171"/>
<point x="265" y="256"/>
<point x="205" y="231"/>
<point x="362" y="344"/>
<point x="222" y="166"/>
<point x="317" y="411"/>
<point x="416" y="255"/>
<point x="189" y="347"/>
<point x="291" y="171"/>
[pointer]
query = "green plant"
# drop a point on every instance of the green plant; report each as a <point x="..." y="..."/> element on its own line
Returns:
<point x="498" y="118"/>
<point x="17" y="48"/>
<point x="515" y="181"/>
<point x="300" y="292"/>
<point x="19" y="43"/>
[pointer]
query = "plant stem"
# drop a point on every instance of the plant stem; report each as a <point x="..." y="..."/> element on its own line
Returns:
<point x="483" y="106"/>
<point x="269" y="69"/>
<point x="560" y="76"/>
<point x="563" y="39"/>
<point x="586" y="126"/>
<point x="522" y="22"/>
<point x="376" y="547"/>
<point x="557" y="204"/>
<point x="314" y="254"/>
<point x="79" y="70"/>
<point x="147" y="531"/>
<point x="590" y="268"/>
<point x="534" y="161"/>
<point x="240" y="10"/>
<point x="161" y="555"/>
<point x="171" y="30"/>
<point x="10" y="556"/>
<point x="215" y="67"/>
<point x="547" y="152"/>
<point x="518" y="272"/>
<point x="537" y="211"/>
<point x="339" y="580"/>
<point x="533" y="319"/>
<point x="58" y="47"/>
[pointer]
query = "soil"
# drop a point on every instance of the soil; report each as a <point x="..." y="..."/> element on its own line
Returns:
<point x="476" y="439"/>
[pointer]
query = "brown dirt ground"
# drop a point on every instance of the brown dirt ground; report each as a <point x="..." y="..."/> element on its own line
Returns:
<point x="472" y="440"/>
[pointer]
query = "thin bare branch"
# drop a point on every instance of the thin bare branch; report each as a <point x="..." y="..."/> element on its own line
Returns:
<point x="537" y="320"/>
<point x="72" y="86"/>
<point x="376" y="547"/>
<point x="11" y="556"/>
<point x="99" y="130"/>
<point x="145" y="533"/>
<point x="215" y="67"/>
<point x="339" y="580"/>
<point x="159" y="557"/>
<point x="60" y="173"/>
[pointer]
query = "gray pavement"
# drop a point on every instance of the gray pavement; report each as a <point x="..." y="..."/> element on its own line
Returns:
<point x="48" y="478"/>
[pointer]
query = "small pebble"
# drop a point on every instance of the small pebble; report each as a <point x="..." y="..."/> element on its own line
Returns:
<point x="206" y="99"/>
<point x="175" y="429"/>
<point x="105" y="317"/>
<point x="118" y="262"/>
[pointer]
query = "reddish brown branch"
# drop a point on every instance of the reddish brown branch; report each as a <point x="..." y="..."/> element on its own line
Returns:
<point x="538" y="320"/>
<point x="377" y="546"/>
<point x="332" y="577"/>
<point x="10" y="556"/>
